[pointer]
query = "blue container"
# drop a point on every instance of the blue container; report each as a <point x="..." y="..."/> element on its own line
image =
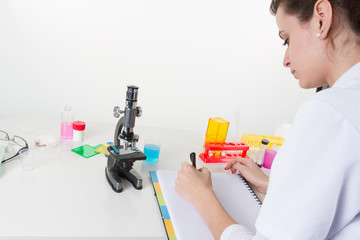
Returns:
<point x="152" y="152"/>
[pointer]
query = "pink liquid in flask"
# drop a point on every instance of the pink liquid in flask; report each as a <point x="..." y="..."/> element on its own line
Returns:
<point x="66" y="130"/>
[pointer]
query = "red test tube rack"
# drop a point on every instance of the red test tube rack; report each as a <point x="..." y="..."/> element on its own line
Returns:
<point x="223" y="152"/>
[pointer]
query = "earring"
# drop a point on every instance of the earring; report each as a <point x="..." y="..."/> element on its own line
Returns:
<point x="319" y="33"/>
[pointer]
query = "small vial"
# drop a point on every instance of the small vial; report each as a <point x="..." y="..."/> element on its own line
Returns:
<point x="269" y="158"/>
<point x="66" y="130"/>
<point x="78" y="131"/>
<point x="260" y="156"/>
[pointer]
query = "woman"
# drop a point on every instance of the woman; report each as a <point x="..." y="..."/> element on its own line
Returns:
<point x="314" y="188"/>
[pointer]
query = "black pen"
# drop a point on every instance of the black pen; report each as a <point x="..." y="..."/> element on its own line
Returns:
<point x="193" y="159"/>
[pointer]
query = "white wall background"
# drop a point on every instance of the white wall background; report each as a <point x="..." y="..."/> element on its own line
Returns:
<point x="192" y="59"/>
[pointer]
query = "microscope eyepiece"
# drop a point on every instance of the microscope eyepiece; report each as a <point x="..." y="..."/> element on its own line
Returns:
<point x="125" y="130"/>
<point x="131" y="94"/>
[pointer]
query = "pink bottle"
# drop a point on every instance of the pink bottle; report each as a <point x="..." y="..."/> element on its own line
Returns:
<point x="268" y="158"/>
<point x="67" y="117"/>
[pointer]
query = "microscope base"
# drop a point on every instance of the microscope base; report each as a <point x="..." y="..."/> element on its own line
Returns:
<point x="132" y="177"/>
<point x="114" y="179"/>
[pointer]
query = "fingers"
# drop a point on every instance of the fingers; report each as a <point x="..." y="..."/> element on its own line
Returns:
<point x="185" y="165"/>
<point x="204" y="169"/>
<point x="239" y="167"/>
<point x="244" y="161"/>
<point x="235" y="161"/>
<point x="229" y="164"/>
<point x="236" y="167"/>
<point x="186" y="170"/>
<point x="182" y="175"/>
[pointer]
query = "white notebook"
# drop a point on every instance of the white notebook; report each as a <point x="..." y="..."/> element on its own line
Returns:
<point x="232" y="191"/>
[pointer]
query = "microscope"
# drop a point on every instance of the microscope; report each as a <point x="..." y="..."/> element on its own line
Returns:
<point x="123" y="155"/>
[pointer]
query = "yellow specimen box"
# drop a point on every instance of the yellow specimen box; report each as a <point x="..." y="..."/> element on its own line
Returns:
<point x="216" y="131"/>
<point x="254" y="140"/>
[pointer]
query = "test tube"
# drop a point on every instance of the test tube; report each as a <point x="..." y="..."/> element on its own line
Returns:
<point x="260" y="156"/>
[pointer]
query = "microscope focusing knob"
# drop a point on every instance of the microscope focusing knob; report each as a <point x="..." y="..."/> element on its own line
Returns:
<point x="138" y="111"/>
<point x="117" y="112"/>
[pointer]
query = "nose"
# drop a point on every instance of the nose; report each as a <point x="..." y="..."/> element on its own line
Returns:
<point x="286" y="61"/>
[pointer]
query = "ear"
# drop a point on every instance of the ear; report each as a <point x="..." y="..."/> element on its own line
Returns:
<point x="322" y="18"/>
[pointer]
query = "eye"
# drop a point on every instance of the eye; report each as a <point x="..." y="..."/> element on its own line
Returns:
<point x="286" y="42"/>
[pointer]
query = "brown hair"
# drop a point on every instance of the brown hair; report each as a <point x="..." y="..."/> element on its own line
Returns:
<point x="343" y="10"/>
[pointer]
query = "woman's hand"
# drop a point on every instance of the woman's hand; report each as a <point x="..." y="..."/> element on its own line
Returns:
<point x="194" y="185"/>
<point x="250" y="171"/>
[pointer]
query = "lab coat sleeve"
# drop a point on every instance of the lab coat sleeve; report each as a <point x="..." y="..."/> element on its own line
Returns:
<point x="239" y="232"/>
<point x="309" y="195"/>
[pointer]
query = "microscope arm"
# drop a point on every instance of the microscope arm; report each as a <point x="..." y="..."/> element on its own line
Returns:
<point x="118" y="129"/>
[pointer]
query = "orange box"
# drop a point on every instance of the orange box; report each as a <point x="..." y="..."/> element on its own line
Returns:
<point x="216" y="131"/>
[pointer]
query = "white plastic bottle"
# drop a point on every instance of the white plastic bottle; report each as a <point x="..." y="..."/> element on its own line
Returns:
<point x="78" y="131"/>
<point x="282" y="130"/>
<point x="67" y="123"/>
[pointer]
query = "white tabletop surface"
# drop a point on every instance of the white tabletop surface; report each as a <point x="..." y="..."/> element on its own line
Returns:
<point x="66" y="195"/>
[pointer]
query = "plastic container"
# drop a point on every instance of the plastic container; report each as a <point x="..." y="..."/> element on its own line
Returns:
<point x="216" y="131"/>
<point x="152" y="150"/>
<point x="282" y="130"/>
<point x="67" y="116"/>
<point x="269" y="158"/>
<point x="78" y="131"/>
<point x="254" y="140"/>
<point x="260" y="156"/>
<point x="228" y="151"/>
<point x="27" y="158"/>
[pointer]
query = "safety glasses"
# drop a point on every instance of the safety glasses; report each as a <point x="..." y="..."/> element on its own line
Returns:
<point x="4" y="136"/>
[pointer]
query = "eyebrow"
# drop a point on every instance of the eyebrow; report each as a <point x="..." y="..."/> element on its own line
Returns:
<point x="280" y="32"/>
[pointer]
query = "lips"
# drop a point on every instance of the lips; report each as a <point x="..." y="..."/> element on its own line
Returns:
<point x="293" y="73"/>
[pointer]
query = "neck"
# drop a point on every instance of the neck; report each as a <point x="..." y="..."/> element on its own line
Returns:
<point x="344" y="59"/>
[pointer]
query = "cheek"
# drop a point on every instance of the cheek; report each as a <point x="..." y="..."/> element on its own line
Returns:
<point x="305" y="62"/>
<point x="300" y="44"/>
<point x="298" y="53"/>
<point x="310" y="75"/>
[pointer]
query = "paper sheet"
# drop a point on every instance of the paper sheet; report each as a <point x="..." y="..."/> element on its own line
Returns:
<point x="231" y="191"/>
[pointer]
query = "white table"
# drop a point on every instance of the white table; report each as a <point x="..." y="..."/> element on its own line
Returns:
<point x="66" y="195"/>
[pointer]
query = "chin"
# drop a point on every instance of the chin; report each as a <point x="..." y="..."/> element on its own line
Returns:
<point x="305" y="85"/>
<point x="308" y="84"/>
